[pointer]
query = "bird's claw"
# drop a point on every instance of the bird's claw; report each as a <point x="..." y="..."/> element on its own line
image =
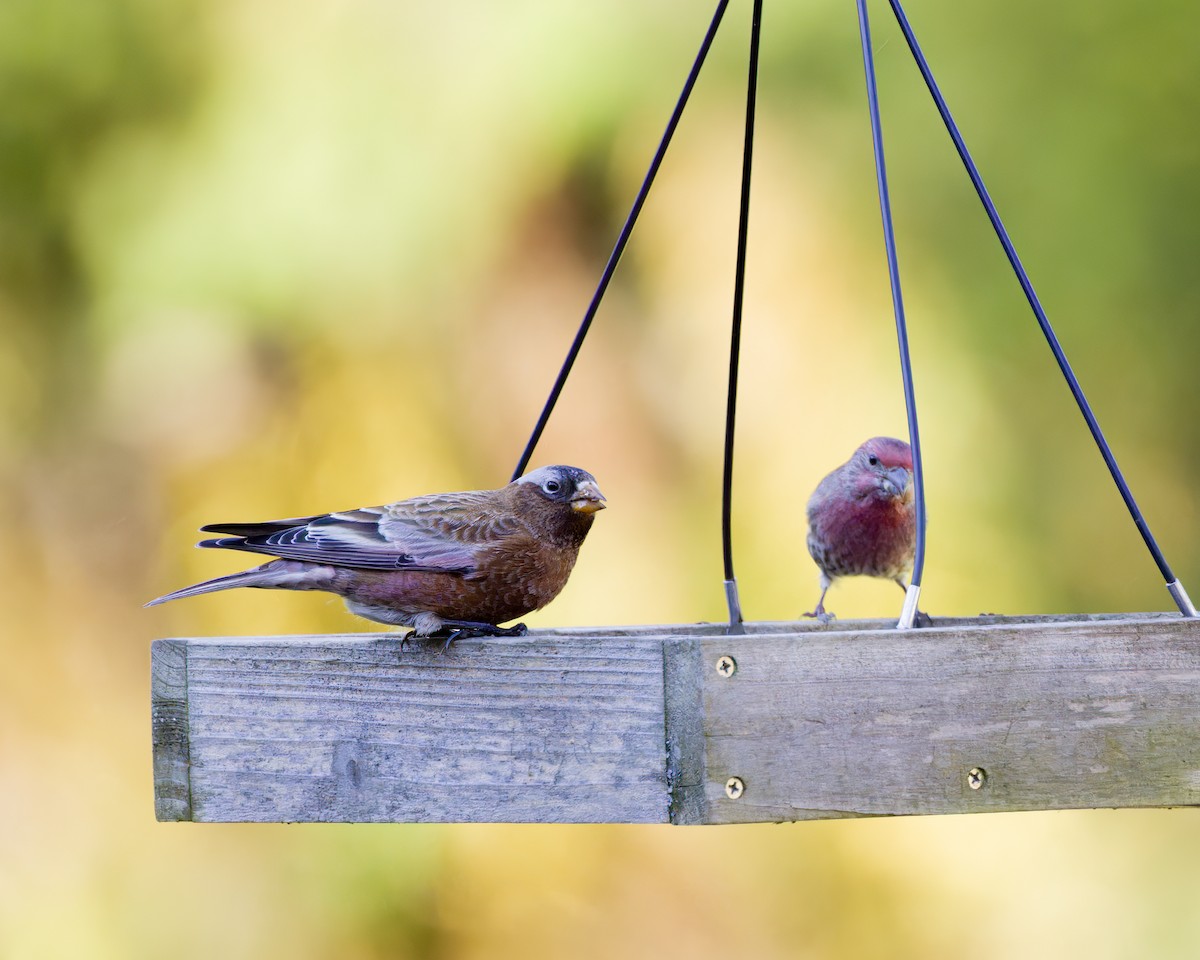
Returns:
<point x="461" y="629"/>
<point x="821" y="616"/>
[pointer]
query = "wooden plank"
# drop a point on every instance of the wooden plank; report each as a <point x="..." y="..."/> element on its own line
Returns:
<point x="1101" y="713"/>
<point x="544" y="728"/>
<point x="636" y="724"/>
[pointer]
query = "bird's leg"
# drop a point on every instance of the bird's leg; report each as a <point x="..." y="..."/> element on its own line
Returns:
<point x="819" y="613"/>
<point x="477" y="628"/>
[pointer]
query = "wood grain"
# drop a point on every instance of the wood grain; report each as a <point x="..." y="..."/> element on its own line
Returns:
<point x="635" y="724"/>
<point x="1057" y="715"/>
<point x="169" y="730"/>
<point x="354" y="729"/>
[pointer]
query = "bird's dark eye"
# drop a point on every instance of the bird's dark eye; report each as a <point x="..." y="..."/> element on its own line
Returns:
<point x="552" y="486"/>
<point x="873" y="460"/>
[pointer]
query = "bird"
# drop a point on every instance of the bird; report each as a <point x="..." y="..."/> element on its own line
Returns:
<point x="862" y="520"/>
<point x="448" y="564"/>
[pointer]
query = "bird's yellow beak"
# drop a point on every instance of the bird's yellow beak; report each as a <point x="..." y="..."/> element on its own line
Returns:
<point x="588" y="498"/>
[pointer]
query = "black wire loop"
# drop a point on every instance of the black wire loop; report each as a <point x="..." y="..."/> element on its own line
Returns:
<point x="735" y="616"/>
<point x="619" y="248"/>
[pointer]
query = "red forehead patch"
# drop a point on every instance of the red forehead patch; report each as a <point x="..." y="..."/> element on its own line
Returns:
<point x="890" y="451"/>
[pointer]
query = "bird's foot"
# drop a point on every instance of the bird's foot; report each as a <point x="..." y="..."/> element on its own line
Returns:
<point x="404" y="636"/>
<point x="460" y="629"/>
<point x="922" y="619"/>
<point x="821" y="616"/>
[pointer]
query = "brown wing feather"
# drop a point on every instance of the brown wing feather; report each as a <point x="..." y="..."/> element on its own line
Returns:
<point x="436" y="533"/>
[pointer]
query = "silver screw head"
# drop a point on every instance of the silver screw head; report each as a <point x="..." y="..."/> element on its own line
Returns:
<point x="734" y="787"/>
<point x="976" y="777"/>
<point x="726" y="666"/>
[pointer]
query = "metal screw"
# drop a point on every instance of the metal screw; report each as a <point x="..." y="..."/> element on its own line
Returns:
<point x="976" y="777"/>
<point x="726" y="666"/>
<point x="734" y="788"/>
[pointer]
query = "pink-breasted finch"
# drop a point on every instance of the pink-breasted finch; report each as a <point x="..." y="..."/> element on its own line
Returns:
<point x="861" y="518"/>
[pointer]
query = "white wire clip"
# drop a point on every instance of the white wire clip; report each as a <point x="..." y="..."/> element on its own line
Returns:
<point x="735" y="608"/>
<point x="1182" y="600"/>
<point x="908" y="613"/>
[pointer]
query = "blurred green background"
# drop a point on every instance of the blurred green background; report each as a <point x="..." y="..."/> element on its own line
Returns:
<point x="265" y="259"/>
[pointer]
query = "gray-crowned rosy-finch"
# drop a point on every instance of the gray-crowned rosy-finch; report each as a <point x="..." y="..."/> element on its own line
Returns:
<point x="861" y="518"/>
<point x="453" y="563"/>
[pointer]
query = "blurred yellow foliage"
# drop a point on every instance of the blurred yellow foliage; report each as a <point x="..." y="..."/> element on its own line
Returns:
<point x="265" y="259"/>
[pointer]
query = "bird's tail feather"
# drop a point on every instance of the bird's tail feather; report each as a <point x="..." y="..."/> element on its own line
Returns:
<point x="288" y="575"/>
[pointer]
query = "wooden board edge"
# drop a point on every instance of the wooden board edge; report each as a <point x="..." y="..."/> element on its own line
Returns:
<point x="765" y="629"/>
<point x="170" y="733"/>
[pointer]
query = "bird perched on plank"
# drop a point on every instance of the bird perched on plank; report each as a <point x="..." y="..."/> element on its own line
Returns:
<point x="453" y="564"/>
<point x="861" y="518"/>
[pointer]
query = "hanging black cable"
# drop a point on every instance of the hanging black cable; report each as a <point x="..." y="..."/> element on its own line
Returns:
<point x="1173" y="585"/>
<point x="615" y="257"/>
<point x="889" y="239"/>
<point x="739" y="286"/>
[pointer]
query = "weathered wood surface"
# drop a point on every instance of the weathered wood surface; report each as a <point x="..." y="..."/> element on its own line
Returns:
<point x="1059" y="715"/>
<point x="170" y="732"/>
<point x="637" y="724"/>
<point x="354" y="729"/>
